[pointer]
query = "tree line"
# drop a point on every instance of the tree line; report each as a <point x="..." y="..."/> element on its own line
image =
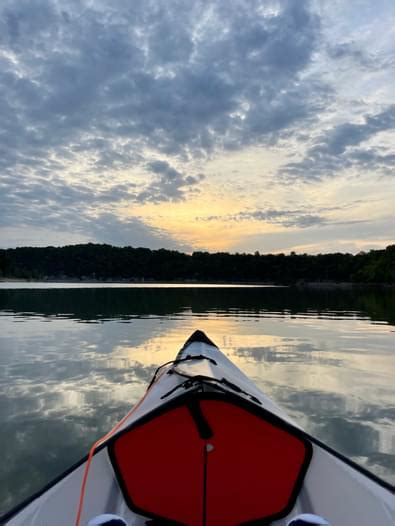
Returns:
<point x="106" y="262"/>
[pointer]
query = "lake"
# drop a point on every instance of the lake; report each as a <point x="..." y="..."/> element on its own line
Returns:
<point x="74" y="357"/>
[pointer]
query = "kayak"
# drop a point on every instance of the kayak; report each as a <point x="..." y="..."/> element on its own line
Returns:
<point x="205" y="446"/>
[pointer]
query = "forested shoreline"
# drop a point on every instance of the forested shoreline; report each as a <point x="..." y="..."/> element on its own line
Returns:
<point x="109" y="263"/>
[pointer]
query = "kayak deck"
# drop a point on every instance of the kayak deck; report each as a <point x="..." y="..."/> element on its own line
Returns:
<point x="200" y="458"/>
<point x="207" y="447"/>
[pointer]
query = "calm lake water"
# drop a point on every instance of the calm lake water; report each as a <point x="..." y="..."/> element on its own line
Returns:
<point x="74" y="358"/>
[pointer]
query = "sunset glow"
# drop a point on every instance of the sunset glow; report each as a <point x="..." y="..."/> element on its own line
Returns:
<point x="259" y="126"/>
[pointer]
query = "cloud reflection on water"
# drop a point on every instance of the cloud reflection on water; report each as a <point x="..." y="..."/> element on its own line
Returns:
<point x="63" y="383"/>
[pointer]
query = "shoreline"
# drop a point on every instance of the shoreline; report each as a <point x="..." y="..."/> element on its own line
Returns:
<point x="144" y="283"/>
<point x="319" y="285"/>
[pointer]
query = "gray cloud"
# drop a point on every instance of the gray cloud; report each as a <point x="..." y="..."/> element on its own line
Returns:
<point x="337" y="148"/>
<point x="300" y="217"/>
<point x="350" y="50"/>
<point x="344" y="135"/>
<point x="288" y="218"/>
<point x="151" y="75"/>
<point x="60" y="227"/>
<point x="109" y="228"/>
<point x="87" y="213"/>
<point x="316" y="220"/>
<point x="92" y="212"/>
<point x="169" y="185"/>
<point x="110" y="85"/>
<point x="346" y="236"/>
<point x="101" y="83"/>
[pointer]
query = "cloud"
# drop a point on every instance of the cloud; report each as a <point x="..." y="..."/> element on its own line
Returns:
<point x="38" y="207"/>
<point x="352" y="51"/>
<point x="109" y="228"/>
<point x="289" y="218"/>
<point x="151" y="75"/>
<point x="343" y="236"/>
<point x="344" y="135"/>
<point x="169" y="185"/>
<point x="286" y="218"/>
<point x="68" y="227"/>
<point x="109" y="105"/>
<point x="337" y="148"/>
<point x="98" y="85"/>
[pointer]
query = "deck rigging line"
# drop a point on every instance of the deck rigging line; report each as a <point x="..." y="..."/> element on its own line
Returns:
<point x="92" y="452"/>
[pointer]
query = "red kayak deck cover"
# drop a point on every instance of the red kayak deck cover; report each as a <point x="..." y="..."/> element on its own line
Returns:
<point x="249" y="469"/>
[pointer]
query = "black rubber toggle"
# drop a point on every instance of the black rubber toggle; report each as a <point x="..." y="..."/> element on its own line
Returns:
<point x="200" y="420"/>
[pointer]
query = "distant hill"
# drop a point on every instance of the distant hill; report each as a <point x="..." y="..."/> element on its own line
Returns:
<point x="105" y="262"/>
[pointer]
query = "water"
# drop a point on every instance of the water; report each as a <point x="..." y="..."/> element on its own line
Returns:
<point x="74" y="358"/>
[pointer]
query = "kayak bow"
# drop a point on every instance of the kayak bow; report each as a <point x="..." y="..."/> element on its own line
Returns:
<point x="206" y="447"/>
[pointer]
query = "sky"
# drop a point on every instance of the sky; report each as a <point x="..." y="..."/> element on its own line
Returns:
<point x="221" y="125"/>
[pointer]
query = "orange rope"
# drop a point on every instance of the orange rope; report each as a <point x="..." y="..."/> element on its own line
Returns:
<point x="92" y="452"/>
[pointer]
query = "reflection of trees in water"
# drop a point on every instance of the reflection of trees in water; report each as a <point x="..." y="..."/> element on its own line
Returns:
<point x="99" y="304"/>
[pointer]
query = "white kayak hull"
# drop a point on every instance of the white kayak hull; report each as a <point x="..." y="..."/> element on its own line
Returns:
<point x="330" y="485"/>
